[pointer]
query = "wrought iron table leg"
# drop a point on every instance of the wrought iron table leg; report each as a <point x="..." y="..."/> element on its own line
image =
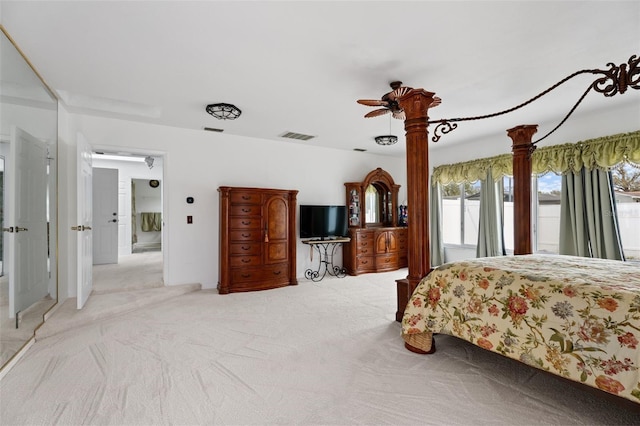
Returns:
<point x="326" y="258"/>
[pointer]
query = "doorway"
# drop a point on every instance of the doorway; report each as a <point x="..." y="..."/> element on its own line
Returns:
<point x="146" y="215"/>
<point x="139" y="262"/>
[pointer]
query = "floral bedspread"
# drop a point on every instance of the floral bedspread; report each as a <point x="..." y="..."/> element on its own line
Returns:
<point x="575" y="317"/>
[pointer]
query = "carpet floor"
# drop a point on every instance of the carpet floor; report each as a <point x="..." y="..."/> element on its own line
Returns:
<point x="327" y="353"/>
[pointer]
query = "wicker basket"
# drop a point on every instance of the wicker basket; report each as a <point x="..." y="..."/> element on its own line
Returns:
<point x="421" y="343"/>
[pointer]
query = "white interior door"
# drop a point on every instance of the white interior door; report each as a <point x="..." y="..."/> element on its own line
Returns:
<point x="124" y="217"/>
<point x="84" y="220"/>
<point x="26" y="221"/>
<point x="105" y="216"/>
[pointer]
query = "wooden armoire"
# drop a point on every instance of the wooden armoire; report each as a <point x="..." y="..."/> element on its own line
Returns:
<point x="377" y="242"/>
<point x="257" y="239"/>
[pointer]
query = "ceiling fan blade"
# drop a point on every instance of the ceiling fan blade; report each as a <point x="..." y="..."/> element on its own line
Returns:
<point x="399" y="92"/>
<point x="377" y="112"/>
<point x="399" y="114"/>
<point x="372" y="102"/>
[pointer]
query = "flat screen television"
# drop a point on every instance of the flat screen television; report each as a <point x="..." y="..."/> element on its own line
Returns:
<point x="323" y="221"/>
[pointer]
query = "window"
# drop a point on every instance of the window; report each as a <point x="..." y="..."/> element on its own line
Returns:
<point x="626" y="184"/>
<point x="460" y="214"/>
<point x="507" y="210"/>
<point x="546" y="206"/>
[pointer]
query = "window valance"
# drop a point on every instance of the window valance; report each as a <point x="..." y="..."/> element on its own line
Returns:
<point x="598" y="153"/>
<point x="474" y="170"/>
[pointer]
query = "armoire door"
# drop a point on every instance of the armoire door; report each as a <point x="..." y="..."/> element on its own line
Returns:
<point x="277" y="230"/>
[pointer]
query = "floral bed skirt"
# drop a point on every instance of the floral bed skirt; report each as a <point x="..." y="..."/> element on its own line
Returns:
<point x="575" y="317"/>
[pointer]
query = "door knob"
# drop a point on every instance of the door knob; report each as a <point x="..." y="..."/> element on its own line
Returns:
<point x="9" y="229"/>
<point x="113" y="220"/>
<point x="18" y="229"/>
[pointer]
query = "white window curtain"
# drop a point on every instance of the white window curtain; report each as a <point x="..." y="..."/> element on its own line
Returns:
<point x="491" y="226"/>
<point x="588" y="217"/>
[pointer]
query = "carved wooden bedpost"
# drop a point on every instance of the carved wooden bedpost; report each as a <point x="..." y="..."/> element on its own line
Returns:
<point x="522" y="149"/>
<point x="416" y="104"/>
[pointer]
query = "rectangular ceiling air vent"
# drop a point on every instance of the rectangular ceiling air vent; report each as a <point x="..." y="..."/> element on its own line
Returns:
<point x="299" y="136"/>
<point x="213" y="129"/>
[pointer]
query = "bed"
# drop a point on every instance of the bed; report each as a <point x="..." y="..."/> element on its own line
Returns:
<point x="578" y="318"/>
<point x="575" y="317"/>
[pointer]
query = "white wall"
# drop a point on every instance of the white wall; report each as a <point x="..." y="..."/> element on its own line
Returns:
<point x="196" y="164"/>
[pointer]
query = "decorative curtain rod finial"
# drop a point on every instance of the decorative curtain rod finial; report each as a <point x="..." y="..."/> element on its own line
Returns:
<point x="616" y="79"/>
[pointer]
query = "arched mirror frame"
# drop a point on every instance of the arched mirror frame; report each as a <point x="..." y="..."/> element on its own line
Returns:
<point x="29" y="104"/>
<point x="387" y="200"/>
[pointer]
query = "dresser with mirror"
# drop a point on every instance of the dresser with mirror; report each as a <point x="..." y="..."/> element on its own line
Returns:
<point x="28" y="193"/>
<point x="377" y="243"/>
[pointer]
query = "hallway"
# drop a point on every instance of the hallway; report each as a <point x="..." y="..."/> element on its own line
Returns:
<point x="132" y="272"/>
<point x="134" y="282"/>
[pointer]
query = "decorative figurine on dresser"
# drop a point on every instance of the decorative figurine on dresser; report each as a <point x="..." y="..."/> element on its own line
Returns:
<point x="257" y="239"/>
<point x="377" y="243"/>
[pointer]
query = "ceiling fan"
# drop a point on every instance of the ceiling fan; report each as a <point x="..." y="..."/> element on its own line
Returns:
<point x="389" y="102"/>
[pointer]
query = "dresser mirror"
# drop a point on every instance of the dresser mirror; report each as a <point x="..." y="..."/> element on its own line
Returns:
<point x="380" y="200"/>
<point x="378" y="205"/>
<point x="28" y="192"/>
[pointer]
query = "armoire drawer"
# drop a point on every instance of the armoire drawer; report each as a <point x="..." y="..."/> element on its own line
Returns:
<point x="246" y="249"/>
<point x="246" y="210"/>
<point x="269" y="274"/>
<point x="249" y="222"/>
<point x="246" y="197"/>
<point x="246" y="235"/>
<point x="239" y="261"/>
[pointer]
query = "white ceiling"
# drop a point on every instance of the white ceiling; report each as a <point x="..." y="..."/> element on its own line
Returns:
<point x="300" y="66"/>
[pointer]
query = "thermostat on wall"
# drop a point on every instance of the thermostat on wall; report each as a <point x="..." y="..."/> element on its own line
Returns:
<point x="189" y="200"/>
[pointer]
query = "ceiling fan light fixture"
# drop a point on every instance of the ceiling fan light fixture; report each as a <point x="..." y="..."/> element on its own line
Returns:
<point x="223" y="111"/>
<point x="386" y="139"/>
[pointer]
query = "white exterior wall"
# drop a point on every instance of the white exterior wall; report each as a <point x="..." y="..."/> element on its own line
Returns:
<point x="548" y="228"/>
